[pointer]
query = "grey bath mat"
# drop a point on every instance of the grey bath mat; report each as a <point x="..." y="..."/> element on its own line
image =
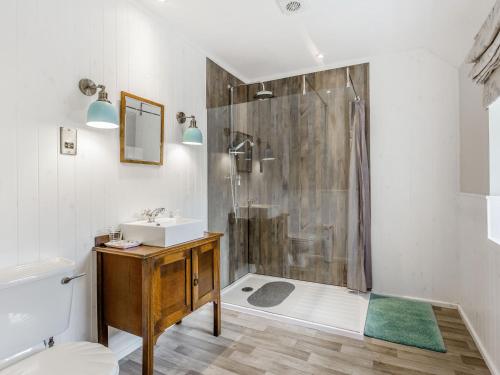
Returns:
<point x="271" y="294"/>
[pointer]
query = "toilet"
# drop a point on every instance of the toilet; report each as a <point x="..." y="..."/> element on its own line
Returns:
<point x="35" y="306"/>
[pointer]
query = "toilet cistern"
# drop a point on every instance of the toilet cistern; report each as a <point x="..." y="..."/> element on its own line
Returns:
<point x="36" y="306"/>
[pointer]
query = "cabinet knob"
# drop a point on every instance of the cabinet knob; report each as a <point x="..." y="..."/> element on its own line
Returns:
<point x="195" y="280"/>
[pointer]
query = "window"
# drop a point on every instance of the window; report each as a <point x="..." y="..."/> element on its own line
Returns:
<point x="494" y="198"/>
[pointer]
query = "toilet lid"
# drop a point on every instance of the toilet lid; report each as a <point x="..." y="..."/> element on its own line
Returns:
<point x="78" y="358"/>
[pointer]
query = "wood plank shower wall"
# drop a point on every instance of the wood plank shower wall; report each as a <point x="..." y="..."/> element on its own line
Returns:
<point x="297" y="226"/>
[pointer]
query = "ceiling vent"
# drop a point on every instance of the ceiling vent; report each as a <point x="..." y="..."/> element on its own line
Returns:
<point x="290" y="7"/>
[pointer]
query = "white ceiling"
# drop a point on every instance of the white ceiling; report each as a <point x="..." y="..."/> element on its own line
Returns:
<point x="255" y="41"/>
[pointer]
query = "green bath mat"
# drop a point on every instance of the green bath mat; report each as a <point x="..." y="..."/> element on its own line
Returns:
<point x="404" y="322"/>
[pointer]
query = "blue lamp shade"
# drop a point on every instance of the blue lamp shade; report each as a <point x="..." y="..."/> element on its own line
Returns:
<point x="102" y="115"/>
<point x="192" y="136"/>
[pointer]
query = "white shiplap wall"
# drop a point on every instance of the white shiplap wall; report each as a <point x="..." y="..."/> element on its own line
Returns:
<point x="479" y="277"/>
<point x="414" y="175"/>
<point x="53" y="204"/>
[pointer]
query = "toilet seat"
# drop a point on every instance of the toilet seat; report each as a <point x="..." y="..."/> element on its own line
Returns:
<point x="78" y="358"/>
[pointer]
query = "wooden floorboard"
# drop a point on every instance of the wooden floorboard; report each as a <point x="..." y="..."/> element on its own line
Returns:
<point x="251" y="345"/>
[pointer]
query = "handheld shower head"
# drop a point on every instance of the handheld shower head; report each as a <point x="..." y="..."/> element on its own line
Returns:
<point x="235" y="150"/>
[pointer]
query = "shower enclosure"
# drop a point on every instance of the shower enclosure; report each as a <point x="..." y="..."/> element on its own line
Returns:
<point x="278" y="163"/>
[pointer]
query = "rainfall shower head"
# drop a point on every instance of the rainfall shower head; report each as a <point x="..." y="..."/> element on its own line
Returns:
<point x="263" y="94"/>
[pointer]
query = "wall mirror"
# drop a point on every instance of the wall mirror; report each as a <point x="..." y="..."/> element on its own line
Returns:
<point x="141" y="130"/>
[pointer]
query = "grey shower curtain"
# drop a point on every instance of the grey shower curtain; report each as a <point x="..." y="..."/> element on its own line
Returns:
<point x="359" y="261"/>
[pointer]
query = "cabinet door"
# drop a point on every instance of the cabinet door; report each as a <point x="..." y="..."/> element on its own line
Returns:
<point x="206" y="283"/>
<point x="171" y="289"/>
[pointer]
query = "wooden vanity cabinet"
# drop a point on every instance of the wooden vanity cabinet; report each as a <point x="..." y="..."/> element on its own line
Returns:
<point x="147" y="289"/>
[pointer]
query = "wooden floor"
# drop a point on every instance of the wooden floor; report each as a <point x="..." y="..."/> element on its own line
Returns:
<point x="252" y="345"/>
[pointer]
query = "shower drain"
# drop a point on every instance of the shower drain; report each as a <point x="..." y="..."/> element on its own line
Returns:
<point x="289" y="7"/>
<point x="293" y="6"/>
<point x="247" y="289"/>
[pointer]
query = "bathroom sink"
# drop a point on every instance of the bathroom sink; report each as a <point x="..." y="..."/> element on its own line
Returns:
<point x="164" y="231"/>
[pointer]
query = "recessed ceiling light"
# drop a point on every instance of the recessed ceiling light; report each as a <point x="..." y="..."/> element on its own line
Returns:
<point x="161" y="1"/>
<point x="320" y="56"/>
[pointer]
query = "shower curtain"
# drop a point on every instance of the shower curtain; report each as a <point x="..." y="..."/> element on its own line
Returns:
<point x="359" y="262"/>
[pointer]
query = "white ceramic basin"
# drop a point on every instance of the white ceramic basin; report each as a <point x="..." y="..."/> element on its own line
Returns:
<point x="164" y="232"/>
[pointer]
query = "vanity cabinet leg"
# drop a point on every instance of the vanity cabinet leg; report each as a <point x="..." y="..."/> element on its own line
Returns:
<point x="102" y="333"/>
<point x="102" y="327"/>
<point x="148" y="337"/>
<point x="217" y="317"/>
<point x="147" y="356"/>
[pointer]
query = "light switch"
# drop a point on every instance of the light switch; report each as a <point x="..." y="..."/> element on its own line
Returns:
<point x="67" y="138"/>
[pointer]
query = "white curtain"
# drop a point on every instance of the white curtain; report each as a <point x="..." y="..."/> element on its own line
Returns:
<point x="485" y="55"/>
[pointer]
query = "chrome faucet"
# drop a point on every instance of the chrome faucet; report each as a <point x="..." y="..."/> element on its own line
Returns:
<point x="151" y="215"/>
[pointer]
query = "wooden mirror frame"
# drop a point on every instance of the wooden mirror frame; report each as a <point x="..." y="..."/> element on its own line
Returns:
<point x="123" y="110"/>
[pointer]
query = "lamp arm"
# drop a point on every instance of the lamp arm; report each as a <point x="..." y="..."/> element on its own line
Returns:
<point x="181" y="117"/>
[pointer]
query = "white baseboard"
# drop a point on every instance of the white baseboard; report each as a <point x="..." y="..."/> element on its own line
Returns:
<point x="448" y="305"/>
<point x="489" y="361"/>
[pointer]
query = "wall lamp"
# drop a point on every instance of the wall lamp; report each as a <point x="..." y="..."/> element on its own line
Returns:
<point x="192" y="135"/>
<point x="101" y="113"/>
